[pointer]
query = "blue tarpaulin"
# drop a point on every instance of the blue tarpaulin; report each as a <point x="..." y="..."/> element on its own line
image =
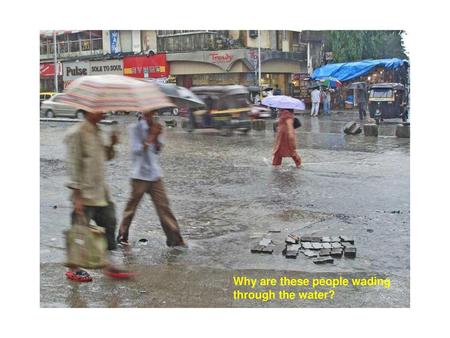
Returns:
<point x="349" y="70"/>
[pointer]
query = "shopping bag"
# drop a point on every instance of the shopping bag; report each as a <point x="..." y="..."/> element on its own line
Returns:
<point x="86" y="245"/>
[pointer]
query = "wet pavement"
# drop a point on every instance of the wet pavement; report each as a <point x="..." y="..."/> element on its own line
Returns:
<point x="226" y="197"/>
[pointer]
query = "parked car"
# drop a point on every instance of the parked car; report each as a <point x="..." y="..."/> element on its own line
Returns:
<point x="50" y="108"/>
<point x="45" y="96"/>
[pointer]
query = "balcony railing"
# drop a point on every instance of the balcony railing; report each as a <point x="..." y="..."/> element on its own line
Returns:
<point x="72" y="48"/>
<point x="196" y="41"/>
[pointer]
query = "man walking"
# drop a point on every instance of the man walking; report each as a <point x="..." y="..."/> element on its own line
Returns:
<point x="362" y="104"/>
<point x="315" y="102"/>
<point x="146" y="177"/>
<point x="86" y="154"/>
<point x="277" y="91"/>
<point x="326" y="102"/>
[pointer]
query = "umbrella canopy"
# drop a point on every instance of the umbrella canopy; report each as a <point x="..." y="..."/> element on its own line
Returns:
<point x="330" y="82"/>
<point x="181" y="96"/>
<point x="283" y="101"/>
<point x="102" y="93"/>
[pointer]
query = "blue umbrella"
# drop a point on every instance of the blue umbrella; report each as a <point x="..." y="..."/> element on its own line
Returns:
<point x="283" y="102"/>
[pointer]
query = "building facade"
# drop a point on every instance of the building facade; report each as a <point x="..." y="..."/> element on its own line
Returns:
<point x="188" y="58"/>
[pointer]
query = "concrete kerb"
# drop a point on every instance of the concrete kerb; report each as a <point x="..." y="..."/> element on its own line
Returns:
<point x="48" y="119"/>
<point x="402" y="131"/>
<point x="370" y="129"/>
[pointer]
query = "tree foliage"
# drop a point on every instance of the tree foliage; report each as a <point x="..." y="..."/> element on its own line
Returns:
<point x="359" y="45"/>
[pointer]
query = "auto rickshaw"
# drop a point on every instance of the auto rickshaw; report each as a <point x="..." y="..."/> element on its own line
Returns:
<point x="388" y="101"/>
<point x="226" y="108"/>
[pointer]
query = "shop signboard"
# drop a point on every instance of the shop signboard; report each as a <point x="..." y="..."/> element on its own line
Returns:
<point x="221" y="57"/>
<point x="152" y="66"/>
<point x="106" y="67"/>
<point x="48" y="69"/>
<point x="114" y="38"/>
<point x="73" y="70"/>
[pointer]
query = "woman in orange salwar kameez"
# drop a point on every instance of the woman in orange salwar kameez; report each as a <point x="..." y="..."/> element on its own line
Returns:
<point x="285" y="143"/>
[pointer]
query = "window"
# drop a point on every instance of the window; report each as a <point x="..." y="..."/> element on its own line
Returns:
<point x="381" y="93"/>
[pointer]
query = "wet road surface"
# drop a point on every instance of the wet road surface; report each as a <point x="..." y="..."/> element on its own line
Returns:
<point x="226" y="197"/>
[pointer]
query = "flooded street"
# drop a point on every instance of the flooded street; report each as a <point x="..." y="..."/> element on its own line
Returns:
<point x="227" y="197"/>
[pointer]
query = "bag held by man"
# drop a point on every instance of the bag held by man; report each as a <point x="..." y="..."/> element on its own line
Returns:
<point x="86" y="245"/>
<point x="297" y="123"/>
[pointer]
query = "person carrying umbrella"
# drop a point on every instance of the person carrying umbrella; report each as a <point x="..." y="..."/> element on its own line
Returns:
<point x="146" y="177"/>
<point x="91" y="199"/>
<point x="86" y="152"/>
<point x="285" y="143"/>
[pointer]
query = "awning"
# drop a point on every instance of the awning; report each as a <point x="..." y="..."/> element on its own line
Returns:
<point x="350" y="70"/>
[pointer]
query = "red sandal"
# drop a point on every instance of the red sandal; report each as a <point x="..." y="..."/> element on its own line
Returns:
<point x="118" y="274"/>
<point x="79" y="276"/>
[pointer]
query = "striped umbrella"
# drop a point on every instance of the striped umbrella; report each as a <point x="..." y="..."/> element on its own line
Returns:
<point x="103" y="93"/>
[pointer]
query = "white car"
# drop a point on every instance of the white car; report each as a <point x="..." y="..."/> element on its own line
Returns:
<point x="50" y="108"/>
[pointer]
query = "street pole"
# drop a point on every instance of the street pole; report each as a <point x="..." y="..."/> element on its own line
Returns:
<point x="55" y="61"/>
<point x="259" y="63"/>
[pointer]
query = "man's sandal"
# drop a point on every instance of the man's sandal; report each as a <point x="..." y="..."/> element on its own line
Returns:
<point x="79" y="276"/>
<point x="118" y="274"/>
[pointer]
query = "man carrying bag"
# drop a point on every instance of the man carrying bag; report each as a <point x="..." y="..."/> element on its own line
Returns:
<point x="86" y="155"/>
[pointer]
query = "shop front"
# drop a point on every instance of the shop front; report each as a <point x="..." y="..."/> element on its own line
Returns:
<point x="231" y="67"/>
<point x="366" y="73"/>
<point x="47" y="77"/>
<point x="299" y="86"/>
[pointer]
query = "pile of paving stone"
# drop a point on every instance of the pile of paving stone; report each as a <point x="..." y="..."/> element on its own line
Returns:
<point x="321" y="249"/>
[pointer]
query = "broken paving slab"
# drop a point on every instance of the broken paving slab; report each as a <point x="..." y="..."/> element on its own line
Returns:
<point x="335" y="239"/>
<point x="326" y="245"/>
<point x="323" y="260"/>
<point x="324" y="252"/>
<point x="316" y="246"/>
<point x="347" y="239"/>
<point x="267" y="250"/>
<point x="311" y="239"/>
<point x="326" y="239"/>
<point x="261" y="249"/>
<point x="292" y="239"/>
<point x="292" y="250"/>
<point x="347" y="245"/>
<point x="257" y="248"/>
<point x="336" y="252"/>
<point x="350" y="252"/>
<point x="309" y="253"/>
<point x="307" y="245"/>
<point x="336" y="245"/>
<point x="265" y="241"/>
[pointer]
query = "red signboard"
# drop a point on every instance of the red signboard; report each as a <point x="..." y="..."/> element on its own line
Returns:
<point x="152" y="66"/>
<point x="48" y="69"/>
